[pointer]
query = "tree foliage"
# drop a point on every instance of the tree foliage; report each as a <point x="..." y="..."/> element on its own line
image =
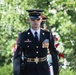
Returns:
<point x="61" y="16"/>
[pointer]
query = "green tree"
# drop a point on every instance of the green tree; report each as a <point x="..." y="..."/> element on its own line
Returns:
<point x="61" y="15"/>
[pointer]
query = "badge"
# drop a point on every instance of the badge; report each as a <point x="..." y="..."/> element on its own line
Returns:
<point x="27" y="40"/>
<point x="36" y="60"/>
<point x="43" y="33"/>
<point x="28" y="33"/>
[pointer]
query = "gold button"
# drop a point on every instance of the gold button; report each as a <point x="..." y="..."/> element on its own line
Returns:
<point x="36" y="46"/>
<point x="37" y="52"/>
<point x="28" y="46"/>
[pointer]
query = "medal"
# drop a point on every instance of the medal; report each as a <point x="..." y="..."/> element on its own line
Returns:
<point x="45" y="43"/>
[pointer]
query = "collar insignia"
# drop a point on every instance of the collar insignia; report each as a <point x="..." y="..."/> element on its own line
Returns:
<point x="43" y="33"/>
<point x="28" y="33"/>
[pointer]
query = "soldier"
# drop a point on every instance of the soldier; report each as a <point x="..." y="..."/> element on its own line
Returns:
<point x="32" y="45"/>
<point x="54" y="70"/>
<point x="43" y="24"/>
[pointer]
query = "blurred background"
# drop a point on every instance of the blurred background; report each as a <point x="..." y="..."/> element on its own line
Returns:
<point x="61" y="21"/>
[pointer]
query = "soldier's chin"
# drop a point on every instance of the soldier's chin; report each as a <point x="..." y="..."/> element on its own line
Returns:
<point x="35" y="27"/>
<point x="35" y="24"/>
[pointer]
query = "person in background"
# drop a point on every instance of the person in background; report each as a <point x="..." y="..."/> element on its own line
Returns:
<point x="49" y="56"/>
<point x="43" y="23"/>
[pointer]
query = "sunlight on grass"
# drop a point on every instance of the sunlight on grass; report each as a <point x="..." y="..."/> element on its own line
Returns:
<point x="67" y="72"/>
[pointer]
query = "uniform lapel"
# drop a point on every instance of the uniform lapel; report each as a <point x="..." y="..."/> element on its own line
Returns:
<point x="42" y="35"/>
<point x="30" y="35"/>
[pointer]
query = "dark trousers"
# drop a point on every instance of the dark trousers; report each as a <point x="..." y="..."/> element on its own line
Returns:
<point x="41" y="68"/>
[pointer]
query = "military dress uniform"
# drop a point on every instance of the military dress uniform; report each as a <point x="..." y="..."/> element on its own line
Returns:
<point x="30" y="57"/>
<point x="35" y="52"/>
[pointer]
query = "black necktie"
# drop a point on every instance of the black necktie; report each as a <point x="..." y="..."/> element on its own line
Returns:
<point x="36" y="37"/>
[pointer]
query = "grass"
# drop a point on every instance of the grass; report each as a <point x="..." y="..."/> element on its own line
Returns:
<point x="67" y="72"/>
<point x="7" y="70"/>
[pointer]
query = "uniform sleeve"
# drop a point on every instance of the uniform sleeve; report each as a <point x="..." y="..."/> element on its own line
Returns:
<point x="52" y="43"/>
<point x="17" y="57"/>
<point x="54" y="54"/>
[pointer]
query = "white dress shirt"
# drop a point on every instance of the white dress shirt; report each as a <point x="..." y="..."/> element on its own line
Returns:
<point x="38" y="33"/>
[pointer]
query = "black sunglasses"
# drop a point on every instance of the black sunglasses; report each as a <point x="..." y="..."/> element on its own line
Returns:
<point x="34" y="18"/>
